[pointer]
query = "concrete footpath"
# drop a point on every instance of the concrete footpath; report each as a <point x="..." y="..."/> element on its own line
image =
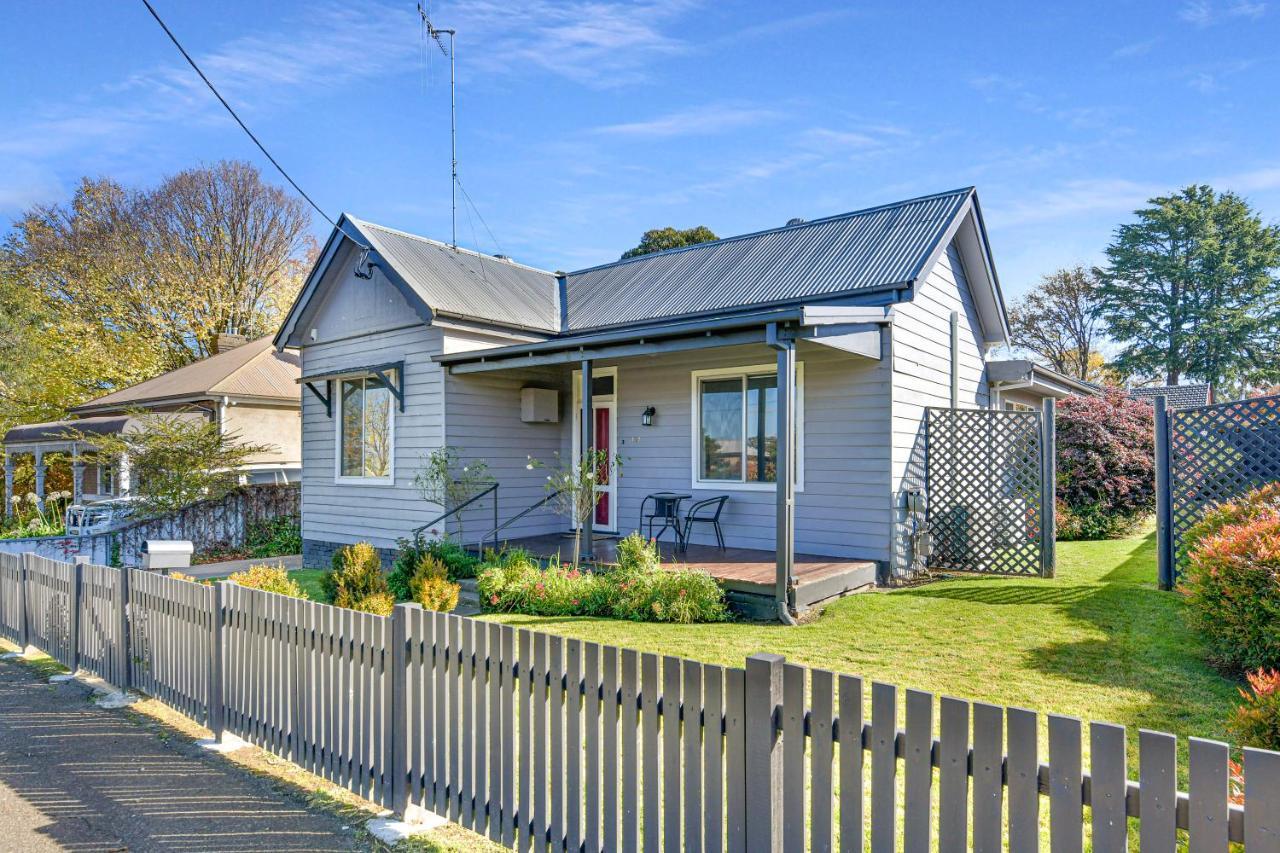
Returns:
<point x="75" y="776"/>
<point x="226" y="567"/>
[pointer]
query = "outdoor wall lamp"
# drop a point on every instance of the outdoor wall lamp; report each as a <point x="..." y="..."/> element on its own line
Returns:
<point x="646" y="418"/>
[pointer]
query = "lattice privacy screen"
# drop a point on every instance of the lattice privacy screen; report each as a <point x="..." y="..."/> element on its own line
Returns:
<point x="984" y="489"/>
<point x="1217" y="453"/>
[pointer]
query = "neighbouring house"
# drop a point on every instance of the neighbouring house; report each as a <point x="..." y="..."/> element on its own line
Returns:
<point x="248" y="388"/>
<point x="1176" y="396"/>
<point x="700" y="366"/>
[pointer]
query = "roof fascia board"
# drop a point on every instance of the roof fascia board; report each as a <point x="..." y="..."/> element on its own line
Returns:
<point x="823" y="315"/>
<point x="988" y="260"/>
<point x="127" y="406"/>
<point x="622" y="350"/>
<point x="856" y="293"/>
<point x="943" y="240"/>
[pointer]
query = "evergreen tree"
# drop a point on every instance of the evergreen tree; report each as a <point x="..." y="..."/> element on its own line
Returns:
<point x="1190" y="290"/>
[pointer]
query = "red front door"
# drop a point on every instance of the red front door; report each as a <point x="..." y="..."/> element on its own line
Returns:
<point x="600" y="435"/>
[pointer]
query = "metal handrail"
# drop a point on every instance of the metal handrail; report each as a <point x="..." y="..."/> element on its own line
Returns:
<point x="468" y="502"/>
<point x="513" y="519"/>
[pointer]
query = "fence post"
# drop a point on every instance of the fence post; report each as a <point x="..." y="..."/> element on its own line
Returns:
<point x="764" y="753"/>
<point x="1164" y="498"/>
<point x="217" y="707"/>
<point x="1049" y="489"/>
<point x="122" y="624"/>
<point x="76" y="599"/>
<point x="400" y="787"/>
<point x="24" y="618"/>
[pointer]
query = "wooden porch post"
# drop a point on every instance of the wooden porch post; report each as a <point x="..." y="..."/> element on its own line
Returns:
<point x="586" y="543"/>
<point x="77" y="474"/>
<point x="785" y="542"/>
<point x="8" y="483"/>
<point x="40" y="472"/>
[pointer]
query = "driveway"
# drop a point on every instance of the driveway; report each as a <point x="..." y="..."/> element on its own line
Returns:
<point x="74" y="776"/>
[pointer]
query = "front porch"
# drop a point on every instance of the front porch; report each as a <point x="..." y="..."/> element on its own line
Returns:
<point x="749" y="575"/>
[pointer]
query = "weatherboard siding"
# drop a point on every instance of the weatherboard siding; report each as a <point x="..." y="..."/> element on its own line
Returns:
<point x="482" y="421"/>
<point x="378" y="513"/>
<point x="922" y="375"/>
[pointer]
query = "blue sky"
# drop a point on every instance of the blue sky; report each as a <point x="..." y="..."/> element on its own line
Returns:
<point x="583" y="123"/>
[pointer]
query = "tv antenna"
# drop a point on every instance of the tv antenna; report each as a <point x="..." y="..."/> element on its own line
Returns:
<point x="438" y="34"/>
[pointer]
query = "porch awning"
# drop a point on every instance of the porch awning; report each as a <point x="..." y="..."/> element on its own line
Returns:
<point x="55" y="432"/>
<point x="844" y="327"/>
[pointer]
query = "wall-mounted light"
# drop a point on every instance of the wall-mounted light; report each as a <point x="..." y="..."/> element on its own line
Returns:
<point x="646" y="419"/>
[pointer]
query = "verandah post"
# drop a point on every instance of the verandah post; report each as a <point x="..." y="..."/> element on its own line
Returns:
<point x="1049" y="489"/>
<point x="586" y="543"/>
<point x="763" y="753"/>
<point x="1165" y="554"/>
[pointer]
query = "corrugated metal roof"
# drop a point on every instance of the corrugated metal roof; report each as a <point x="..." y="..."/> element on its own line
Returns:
<point x="1179" y="396"/>
<point x="468" y="284"/>
<point x="250" y="370"/>
<point x="859" y="251"/>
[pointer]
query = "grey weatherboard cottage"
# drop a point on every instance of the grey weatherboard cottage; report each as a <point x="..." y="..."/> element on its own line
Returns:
<point x="830" y="336"/>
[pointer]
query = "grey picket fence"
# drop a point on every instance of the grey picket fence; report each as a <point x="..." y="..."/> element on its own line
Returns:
<point x="544" y="742"/>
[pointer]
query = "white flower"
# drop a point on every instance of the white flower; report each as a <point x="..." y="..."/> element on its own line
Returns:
<point x="16" y="499"/>
<point x="32" y="499"/>
<point x="529" y="467"/>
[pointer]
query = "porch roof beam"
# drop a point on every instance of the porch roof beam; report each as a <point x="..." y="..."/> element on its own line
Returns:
<point x="707" y="340"/>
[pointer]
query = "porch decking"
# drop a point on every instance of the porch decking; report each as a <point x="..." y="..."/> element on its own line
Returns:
<point x="747" y="573"/>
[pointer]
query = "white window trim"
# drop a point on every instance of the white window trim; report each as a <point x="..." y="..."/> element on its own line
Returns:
<point x="338" y="476"/>
<point x="695" y="428"/>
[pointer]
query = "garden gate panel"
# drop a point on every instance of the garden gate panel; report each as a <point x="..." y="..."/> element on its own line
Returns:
<point x="1204" y="456"/>
<point x="989" y="485"/>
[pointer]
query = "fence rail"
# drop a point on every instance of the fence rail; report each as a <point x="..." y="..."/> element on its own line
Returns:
<point x="540" y="741"/>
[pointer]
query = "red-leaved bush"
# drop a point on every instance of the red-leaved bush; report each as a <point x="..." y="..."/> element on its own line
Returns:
<point x="1257" y="721"/>
<point x="1232" y="583"/>
<point x="1106" y="470"/>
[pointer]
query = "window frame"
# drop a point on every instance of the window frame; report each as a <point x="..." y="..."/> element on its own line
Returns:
<point x="362" y="480"/>
<point x="695" y="427"/>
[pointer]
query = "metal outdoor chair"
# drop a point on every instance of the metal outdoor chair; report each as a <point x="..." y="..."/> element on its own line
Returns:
<point x="706" y="512"/>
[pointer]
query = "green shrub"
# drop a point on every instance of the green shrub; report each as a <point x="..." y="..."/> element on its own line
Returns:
<point x="356" y="578"/>
<point x="429" y="585"/>
<point x="274" y="537"/>
<point x="1257" y="721"/>
<point x="377" y="603"/>
<point x="1232" y="583"/>
<point x="456" y="560"/>
<point x="1249" y="506"/>
<point x="269" y="579"/>
<point x="1091" y="522"/>
<point x="638" y="589"/>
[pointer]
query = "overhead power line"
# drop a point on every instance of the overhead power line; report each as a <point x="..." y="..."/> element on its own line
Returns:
<point x="240" y="121"/>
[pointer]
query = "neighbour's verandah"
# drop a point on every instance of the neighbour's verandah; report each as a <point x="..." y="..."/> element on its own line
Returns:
<point x="605" y="379"/>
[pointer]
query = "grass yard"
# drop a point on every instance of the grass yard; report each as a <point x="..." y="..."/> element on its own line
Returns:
<point x="1098" y="642"/>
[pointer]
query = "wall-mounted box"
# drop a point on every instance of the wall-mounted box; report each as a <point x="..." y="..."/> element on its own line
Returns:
<point x="540" y="405"/>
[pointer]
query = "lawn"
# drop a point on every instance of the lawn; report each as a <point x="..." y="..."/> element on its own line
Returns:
<point x="1098" y="642"/>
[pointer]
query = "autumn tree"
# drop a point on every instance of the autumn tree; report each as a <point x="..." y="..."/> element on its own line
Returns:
<point x="117" y="285"/>
<point x="1060" y="321"/>
<point x="661" y="239"/>
<point x="1190" y="290"/>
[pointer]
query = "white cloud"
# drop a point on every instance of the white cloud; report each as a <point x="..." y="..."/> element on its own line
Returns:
<point x="1136" y="49"/>
<point x="1203" y="13"/>
<point x="1075" y="199"/>
<point x="597" y="43"/>
<point x="696" y="121"/>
